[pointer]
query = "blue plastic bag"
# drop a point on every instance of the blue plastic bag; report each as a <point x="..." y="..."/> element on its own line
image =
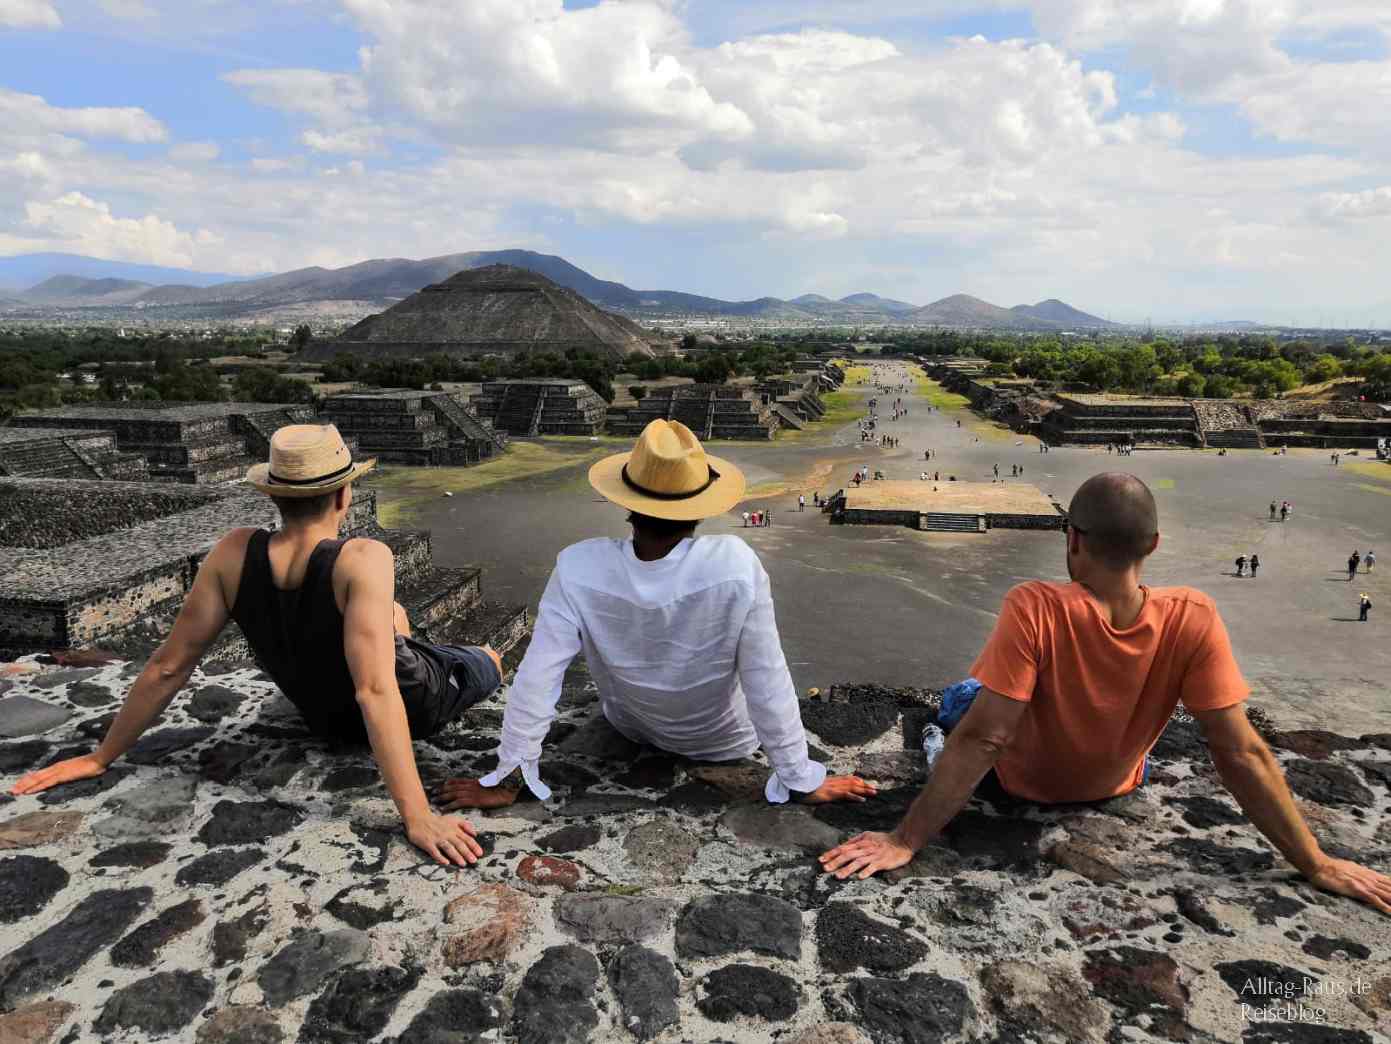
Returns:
<point x="956" y="701"/>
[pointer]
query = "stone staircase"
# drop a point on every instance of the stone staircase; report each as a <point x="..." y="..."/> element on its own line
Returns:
<point x="944" y="522"/>
<point x="1235" y="438"/>
<point x="43" y="458"/>
<point x="787" y="417"/>
<point x="550" y="406"/>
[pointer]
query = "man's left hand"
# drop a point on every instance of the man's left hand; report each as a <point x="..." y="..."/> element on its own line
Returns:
<point x="469" y="793"/>
<point x="840" y="788"/>
<point x="1355" y="881"/>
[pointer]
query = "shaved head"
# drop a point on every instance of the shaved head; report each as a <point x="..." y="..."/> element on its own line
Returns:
<point x="1117" y="518"/>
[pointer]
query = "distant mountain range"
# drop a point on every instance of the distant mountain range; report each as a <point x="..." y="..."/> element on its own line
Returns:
<point x="375" y="285"/>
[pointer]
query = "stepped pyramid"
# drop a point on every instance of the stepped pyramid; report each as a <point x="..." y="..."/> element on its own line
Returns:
<point x="499" y="309"/>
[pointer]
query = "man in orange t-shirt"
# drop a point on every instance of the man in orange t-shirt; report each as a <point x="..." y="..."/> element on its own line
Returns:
<point x="1078" y="681"/>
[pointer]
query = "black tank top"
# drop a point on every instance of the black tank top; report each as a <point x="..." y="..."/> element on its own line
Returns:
<point x="297" y="638"/>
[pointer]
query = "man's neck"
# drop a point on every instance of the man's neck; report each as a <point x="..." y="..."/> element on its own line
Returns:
<point x="653" y="549"/>
<point x="312" y="533"/>
<point x="1120" y="594"/>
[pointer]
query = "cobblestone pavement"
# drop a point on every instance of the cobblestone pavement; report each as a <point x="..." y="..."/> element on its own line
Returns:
<point x="237" y="881"/>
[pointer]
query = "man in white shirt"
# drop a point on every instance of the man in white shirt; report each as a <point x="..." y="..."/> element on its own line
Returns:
<point x="678" y="632"/>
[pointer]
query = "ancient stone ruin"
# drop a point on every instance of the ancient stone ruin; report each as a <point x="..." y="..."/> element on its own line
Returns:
<point x="541" y="407"/>
<point x="67" y="453"/>
<point x="108" y="564"/>
<point x="415" y="427"/>
<point x="499" y="309"/>
<point x="711" y="411"/>
<point x="182" y="442"/>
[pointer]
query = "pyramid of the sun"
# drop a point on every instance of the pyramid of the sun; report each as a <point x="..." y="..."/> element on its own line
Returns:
<point x="487" y="311"/>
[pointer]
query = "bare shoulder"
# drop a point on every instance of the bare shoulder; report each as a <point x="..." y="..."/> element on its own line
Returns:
<point x="232" y="546"/>
<point x="363" y="554"/>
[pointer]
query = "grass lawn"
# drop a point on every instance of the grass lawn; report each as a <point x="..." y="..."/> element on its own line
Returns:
<point x="1377" y="469"/>
<point x="401" y="492"/>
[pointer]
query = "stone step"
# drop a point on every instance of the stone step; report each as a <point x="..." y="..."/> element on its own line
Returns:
<point x="411" y="549"/>
<point x="487" y="623"/>
<point x="941" y="522"/>
<point x="440" y="595"/>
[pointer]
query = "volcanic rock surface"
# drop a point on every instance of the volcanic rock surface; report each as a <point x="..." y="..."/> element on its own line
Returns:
<point x="239" y="881"/>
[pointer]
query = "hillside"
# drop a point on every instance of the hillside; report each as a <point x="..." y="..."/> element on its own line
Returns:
<point x="380" y="283"/>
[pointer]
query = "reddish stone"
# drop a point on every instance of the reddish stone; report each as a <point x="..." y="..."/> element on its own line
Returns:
<point x="15" y="670"/>
<point x="35" y="1023"/>
<point x="83" y="657"/>
<point x="38" y="828"/>
<point x="548" y="870"/>
<point x="490" y="920"/>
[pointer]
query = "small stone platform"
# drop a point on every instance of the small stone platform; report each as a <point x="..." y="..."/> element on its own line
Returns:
<point x="541" y="407"/>
<point x="67" y="453"/>
<point x="403" y="426"/>
<point x="96" y="563"/>
<point x="711" y="411"/>
<point x="235" y="880"/>
<point x="194" y="443"/>
<point x="971" y="507"/>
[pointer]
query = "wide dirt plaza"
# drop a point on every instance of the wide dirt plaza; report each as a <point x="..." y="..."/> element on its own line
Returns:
<point x="235" y="881"/>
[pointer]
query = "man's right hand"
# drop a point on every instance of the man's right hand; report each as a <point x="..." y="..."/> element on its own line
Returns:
<point x="1356" y="882"/>
<point x="448" y="840"/>
<point x="70" y="770"/>
<point x="469" y="793"/>
<point x="840" y="788"/>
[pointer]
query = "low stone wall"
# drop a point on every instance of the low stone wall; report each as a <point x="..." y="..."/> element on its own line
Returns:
<point x="1054" y="521"/>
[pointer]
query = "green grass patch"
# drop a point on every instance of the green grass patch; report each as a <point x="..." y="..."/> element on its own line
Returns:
<point x="1377" y="469"/>
<point x="402" y="492"/>
<point x="1383" y="490"/>
<point x="841" y="408"/>
<point x="1163" y="483"/>
<point x="938" y="396"/>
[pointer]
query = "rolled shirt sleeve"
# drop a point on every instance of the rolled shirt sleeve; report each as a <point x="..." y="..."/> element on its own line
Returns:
<point x="535" y="691"/>
<point x="771" y="699"/>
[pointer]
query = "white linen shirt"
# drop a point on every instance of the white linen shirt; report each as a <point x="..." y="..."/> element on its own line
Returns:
<point x="685" y="653"/>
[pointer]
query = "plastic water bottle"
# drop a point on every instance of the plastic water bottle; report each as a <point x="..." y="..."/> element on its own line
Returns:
<point x="934" y="739"/>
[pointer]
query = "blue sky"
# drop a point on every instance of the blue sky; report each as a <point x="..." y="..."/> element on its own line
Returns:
<point x="1166" y="159"/>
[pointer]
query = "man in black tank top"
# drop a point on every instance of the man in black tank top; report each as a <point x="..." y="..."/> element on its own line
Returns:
<point x="321" y="616"/>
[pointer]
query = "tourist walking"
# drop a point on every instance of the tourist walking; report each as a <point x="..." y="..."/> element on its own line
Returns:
<point x="746" y="520"/>
<point x="1062" y="715"/>
<point x="319" y="616"/>
<point x="1240" y="565"/>
<point x="1370" y="560"/>
<point x="1353" y="561"/>
<point x="1255" y="564"/>
<point x="1273" y="509"/>
<point x="718" y="690"/>
<point x="801" y="502"/>
<point x="1364" y="606"/>
<point x="1285" y="511"/>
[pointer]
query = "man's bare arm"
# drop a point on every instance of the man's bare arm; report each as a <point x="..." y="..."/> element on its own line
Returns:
<point x="201" y="619"/>
<point x="971" y="751"/>
<point x="369" y="640"/>
<point x="1250" y="771"/>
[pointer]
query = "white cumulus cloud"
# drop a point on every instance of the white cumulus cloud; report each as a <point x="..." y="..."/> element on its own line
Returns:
<point x="20" y="113"/>
<point x="77" y="224"/>
<point x="29" y="14"/>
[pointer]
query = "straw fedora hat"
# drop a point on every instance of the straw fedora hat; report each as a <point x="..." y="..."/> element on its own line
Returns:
<point x="307" y="460"/>
<point x="669" y="475"/>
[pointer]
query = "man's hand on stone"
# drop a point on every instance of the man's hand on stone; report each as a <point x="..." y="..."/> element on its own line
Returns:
<point x="1355" y="881"/>
<point x="866" y="855"/>
<point x="448" y="840"/>
<point x="67" y="771"/>
<point x="469" y="793"/>
<point x="840" y="788"/>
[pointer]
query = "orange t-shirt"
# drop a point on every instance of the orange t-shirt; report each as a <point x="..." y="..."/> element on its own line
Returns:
<point x="1100" y="696"/>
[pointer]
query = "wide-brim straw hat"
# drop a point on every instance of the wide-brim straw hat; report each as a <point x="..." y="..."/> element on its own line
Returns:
<point x="307" y="460"/>
<point x="669" y="475"/>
